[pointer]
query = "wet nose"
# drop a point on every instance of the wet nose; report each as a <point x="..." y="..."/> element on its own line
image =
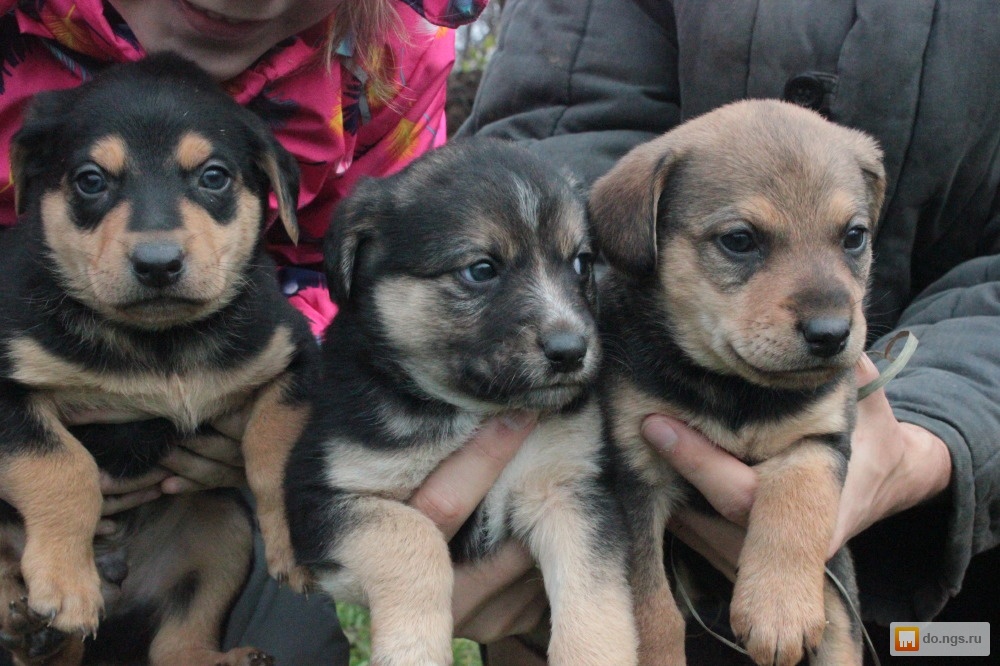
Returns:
<point x="157" y="265"/>
<point x="565" y="351"/>
<point x="826" y="336"/>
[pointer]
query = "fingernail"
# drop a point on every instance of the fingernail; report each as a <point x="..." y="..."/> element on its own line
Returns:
<point x="518" y="419"/>
<point x="659" y="433"/>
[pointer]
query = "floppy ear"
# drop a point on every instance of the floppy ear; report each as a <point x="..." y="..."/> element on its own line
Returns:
<point x="870" y="159"/>
<point x="282" y="171"/>
<point x="624" y="206"/>
<point x="35" y="146"/>
<point x="354" y="224"/>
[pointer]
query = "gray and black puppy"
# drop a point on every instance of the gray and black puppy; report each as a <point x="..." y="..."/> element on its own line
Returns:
<point x="466" y="290"/>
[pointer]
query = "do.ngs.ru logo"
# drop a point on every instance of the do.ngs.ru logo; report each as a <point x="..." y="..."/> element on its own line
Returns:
<point x="906" y="639"/>
<point x="941" y="639"/>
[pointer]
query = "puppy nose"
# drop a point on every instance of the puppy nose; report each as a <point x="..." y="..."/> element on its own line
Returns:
<point x="565" y="351"/>
<point x="157" y="265"/>
<point x="826" y="336"/>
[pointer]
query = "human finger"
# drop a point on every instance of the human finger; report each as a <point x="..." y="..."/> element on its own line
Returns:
<point x="111" y="485"/>
<point x="725" y="481"/>
<point x="499" y="596"/>
<point x="476" y="583"/>
<point x="198" y="473"/>
<point x="865" y="371"/>
<point x="215" y="446"/>
<point x="715" y="538"/>
<point x="453" y="491"/>
<point x="233" y="424"/>
<point x="175" y="485"/>
<point x="516" y="610"/>
<point x="106" y="527"/>
<point x="116" y="503"/>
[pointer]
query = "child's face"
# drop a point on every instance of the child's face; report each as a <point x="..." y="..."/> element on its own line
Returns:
<point x="223" y="36"/>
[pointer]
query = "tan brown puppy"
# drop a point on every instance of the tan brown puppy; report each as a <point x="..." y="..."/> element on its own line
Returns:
<point x="138" y="284"/>
<point x="740" y="247"/>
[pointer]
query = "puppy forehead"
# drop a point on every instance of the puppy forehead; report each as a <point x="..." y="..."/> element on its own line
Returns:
<point x="788" y="184"/>
<point x="522" y="217"/>
<point x="545" y="214"/>
<point x="445" y="216"/>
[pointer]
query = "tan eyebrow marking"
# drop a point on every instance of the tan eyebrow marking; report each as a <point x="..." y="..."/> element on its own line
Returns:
<point x="192" y="150"/>
<point x="110" y="153"/>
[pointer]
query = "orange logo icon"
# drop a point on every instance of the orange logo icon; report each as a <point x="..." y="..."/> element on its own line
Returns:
<point x="907" y="639"/>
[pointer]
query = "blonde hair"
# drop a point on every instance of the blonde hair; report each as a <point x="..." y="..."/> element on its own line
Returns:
<point x="370" y="23"/>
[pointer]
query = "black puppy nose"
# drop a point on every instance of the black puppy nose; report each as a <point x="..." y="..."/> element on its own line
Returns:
<point x="826" y="336"/>
<point x="157" y="265"/>
<point x="565" y="351"/>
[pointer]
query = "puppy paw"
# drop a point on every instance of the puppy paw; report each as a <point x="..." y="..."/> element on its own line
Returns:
<point x="301" y="580"/>
<point x="777" y="623"/>
<point x="281" y="563"/>
<point x="69" y="598"/>
<point x="27" y="634"/>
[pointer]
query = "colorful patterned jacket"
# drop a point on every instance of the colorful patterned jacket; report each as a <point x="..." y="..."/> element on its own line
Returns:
<point x="336" y="133"/>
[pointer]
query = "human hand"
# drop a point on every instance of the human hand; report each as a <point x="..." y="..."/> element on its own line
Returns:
<point x="893" y="467"/>
<point x="208" y="460"/>
<point x="123" y="494"/>
<point x="501" y="595"/>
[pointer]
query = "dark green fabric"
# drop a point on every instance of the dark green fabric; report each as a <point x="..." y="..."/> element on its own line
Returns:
<point x="582" y="81"/>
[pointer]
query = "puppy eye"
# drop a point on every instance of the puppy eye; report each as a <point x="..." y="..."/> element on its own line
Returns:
<point x="481" y="271"/>
<point x="214" y="177"/>
<point x="90" y="182"/>
<point x="738" y="242"/>
<point x="583" y="263"/>
<point x="855" y="239"/>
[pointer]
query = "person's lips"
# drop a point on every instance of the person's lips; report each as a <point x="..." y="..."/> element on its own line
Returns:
<point x="218" y="26"/>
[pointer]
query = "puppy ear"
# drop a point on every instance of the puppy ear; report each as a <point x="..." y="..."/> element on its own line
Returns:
<point x="870" y="158"/>
<point x="34" y="146"/>
<point x="282" y="171"/>
<point x="624" y="206"/>
<point x="354" y="224"/>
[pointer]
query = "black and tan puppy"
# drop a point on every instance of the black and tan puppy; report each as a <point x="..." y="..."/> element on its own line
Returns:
<point x="740" y="247"/>
<point x="136" y="283"/>
<point x="466" y="291"/>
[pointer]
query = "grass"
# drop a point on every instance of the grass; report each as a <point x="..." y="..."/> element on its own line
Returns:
<point x="356" y="624"/>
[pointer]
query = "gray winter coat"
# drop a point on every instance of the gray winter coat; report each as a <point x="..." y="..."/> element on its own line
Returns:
<point x="585" y="80"/>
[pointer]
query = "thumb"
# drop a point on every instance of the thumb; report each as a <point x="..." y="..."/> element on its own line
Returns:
<point x="865" y="371"/>
<point x="726" y="482"/>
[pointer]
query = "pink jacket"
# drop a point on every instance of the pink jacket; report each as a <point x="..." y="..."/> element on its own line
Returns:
<point x="336" y="134"/>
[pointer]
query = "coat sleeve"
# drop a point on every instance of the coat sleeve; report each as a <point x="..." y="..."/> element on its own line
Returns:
<point x="910" y="564"/>
<point x="580" y="82"/>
